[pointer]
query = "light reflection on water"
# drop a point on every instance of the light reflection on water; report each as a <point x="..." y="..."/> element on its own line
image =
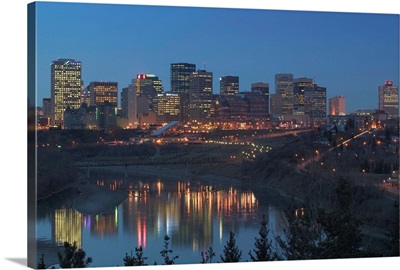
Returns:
<point x="194" y="215"/>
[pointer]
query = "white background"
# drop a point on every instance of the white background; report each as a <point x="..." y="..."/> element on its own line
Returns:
<point x="13" y="131"/>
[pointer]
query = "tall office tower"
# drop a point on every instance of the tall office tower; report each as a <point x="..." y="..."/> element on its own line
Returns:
<point x="337" y="105"/>
<point x="180" y="74"/>
<point x="149" y="86"/>
<point x="46" y="107"/>
<point x="66" y="86"/>
<point x="389" y="99"/>
<point x="129" y="103"/>
<point x="315" y="103"/>
<point x="262" y="88"/>
<point x="200" y="95"/>
<point x="299" y="85"/>
<point x="284" y="88"/>
<point x="184" y="106"/>
<point x="132" y="105"/>
<point x="101" y="92"/>
<point x="143" y="105"/>
<point x="276" y="105"/>
<point x="229" y="85"/>
<point x="124" y="102"/>
<point x="168" y="108"/>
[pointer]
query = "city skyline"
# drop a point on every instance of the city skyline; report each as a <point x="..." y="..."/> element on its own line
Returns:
<point x="337" y="61"/>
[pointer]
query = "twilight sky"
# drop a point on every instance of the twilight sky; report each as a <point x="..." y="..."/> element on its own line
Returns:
<point x="349" y="53"/>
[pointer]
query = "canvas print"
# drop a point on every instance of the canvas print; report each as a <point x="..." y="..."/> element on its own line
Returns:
<point x="164" y="135"/>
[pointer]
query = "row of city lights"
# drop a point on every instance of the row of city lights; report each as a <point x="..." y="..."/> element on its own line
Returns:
<point x="255" y="150"/>
<point x="225" y="142"/>
<point x="249" y="154"/>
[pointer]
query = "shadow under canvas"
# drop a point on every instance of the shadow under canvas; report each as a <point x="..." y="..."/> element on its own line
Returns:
<point x="20" y="261"/>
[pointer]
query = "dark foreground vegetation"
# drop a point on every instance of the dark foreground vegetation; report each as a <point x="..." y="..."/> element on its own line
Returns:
<point x="364" y="161"/>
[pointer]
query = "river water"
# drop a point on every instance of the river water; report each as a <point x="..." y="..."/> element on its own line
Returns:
<point x="195" y="215"/>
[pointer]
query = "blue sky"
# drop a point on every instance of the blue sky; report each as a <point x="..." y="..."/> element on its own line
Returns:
<point x="349" y="53"/>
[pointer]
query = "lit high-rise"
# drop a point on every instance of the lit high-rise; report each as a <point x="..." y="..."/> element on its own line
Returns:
<point x="284" y="88"/>
<point x="229" y="85"/>
<point x="180" y="75"/>
<point x="299" y="85"/>
<point x="132" y="105"/>
<point x="200" y="95"/>
<point x="66" y="86"/>
<point x="262" y="88"/>
<point x="337" y="105"/>
<point x="315" y="103"/>
<point x="103" y="91"/>
<point x="389" y="99"/>
<point x="149" y="86"/>
<point x="168" y="108"/>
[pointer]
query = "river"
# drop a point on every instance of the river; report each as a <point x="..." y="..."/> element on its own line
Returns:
<point x="195" y="215"/>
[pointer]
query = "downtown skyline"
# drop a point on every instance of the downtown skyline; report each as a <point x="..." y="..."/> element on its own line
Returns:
<point x="359" y="52"/>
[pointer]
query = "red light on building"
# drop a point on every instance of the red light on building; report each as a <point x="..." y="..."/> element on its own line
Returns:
<point x="388" y="83"/>
<point x="141" y="76"/>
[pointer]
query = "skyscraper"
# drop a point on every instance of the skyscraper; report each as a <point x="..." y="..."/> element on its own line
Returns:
<point x="66" y="86"/>
<point x="284" y="88"/>
<point x="276" y="105"/>
<point x="129" y="103"/>
<point x="168" y="108"/>
<point x="132" y="105"/>
<point x="299" y="86"/>
<point x="200" y="95"/>
<point x="180" y="74"/>
<point x="389" y="99"/>
<point x="149" y="86"/>
<point x="103" y="91"/>
<point x="184" y="106"/>
<point x="263" y="88"/>
<point x="337" y="105"/>
<point x="124" y="102"/>
<point x="229" y="85"/>
<point x="46" y="107"/>
<point x="315" y="103"/>
<point x="260" y="87"/>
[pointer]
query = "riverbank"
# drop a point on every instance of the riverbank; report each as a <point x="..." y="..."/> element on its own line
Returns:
<point x="213" y="174"/>
<point x="285" y="183"/>
<point x="224" y="175"/>
<point x="44" y="197"/>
